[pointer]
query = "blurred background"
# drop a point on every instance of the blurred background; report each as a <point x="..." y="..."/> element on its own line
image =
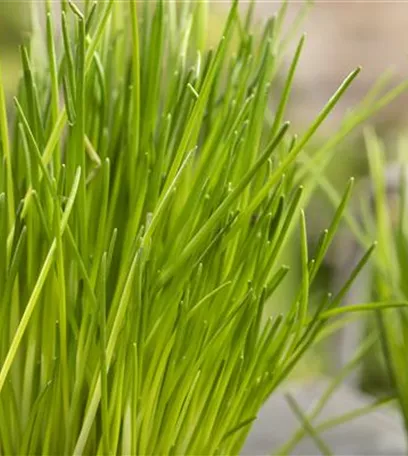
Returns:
<point x="341" y="35"/>
<point x="14" y="29"/>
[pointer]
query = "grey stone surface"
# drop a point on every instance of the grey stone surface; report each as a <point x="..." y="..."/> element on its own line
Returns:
<point x="377" y="433"/>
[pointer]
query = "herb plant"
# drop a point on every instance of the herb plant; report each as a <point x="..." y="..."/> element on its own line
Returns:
<point x="382" y="214"/>
<point x="144" y="202"/>
<point x="388" y="220"/>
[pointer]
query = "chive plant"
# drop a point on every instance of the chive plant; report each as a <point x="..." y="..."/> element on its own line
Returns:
<point x="383" y="215"/>
<point x="388" y="219"/>
<point x="144" y="201"/>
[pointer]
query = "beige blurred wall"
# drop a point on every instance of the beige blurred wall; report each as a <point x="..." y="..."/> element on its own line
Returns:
<point x="342" y="35"/>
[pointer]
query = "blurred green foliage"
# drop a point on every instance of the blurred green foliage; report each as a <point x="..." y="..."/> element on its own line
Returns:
<point x="14" y="29"/>
<point x="14" y="22"/>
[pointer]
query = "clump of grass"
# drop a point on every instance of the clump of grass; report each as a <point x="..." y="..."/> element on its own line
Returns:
<point x="383" y="215"/>
<point x="388" y="219"/>
<point x="143" y="207"/>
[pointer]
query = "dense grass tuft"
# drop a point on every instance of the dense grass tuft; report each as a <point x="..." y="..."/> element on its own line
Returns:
<point x="144" y="202"/>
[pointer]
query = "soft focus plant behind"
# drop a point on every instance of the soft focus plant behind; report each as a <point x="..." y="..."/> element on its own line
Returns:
<point x="388" y="221"/>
